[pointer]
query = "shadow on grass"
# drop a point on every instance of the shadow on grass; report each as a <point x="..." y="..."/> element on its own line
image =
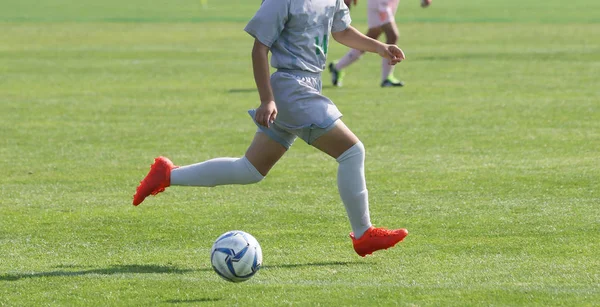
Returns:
<point x="154" y="269"/>
<point x="267" y="267"/>
<point x="116" y="269"/>
<point x="193" y="301"/>
<point x="297" y="265"/>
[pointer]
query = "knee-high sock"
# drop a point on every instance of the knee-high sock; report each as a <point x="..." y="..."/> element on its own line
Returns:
<point x="352" y="56"/>
<point x="353" y="188"/>
<point x="386" y="69"/>
<point x="219" y="171"/>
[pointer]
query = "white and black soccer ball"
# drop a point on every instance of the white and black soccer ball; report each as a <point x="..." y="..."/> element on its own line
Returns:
<point x="236" y="256"/>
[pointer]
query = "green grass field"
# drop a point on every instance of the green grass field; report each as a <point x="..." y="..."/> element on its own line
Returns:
<point x="490" y="156"/>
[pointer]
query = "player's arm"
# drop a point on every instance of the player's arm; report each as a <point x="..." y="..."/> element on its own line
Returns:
<point x="356" y="40"/>
<point x="266" y="113"/>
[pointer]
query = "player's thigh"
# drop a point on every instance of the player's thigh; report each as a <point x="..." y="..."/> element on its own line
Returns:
<point x="337" y="140"/>
<point x="374" y="33"/>
<point x="264" y="152"/>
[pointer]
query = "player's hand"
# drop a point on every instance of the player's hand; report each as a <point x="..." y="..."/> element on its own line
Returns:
<point x="350" y="2"/>
<point x="392" y="53"/>
<point x="266" y="113"/>
<point x="425" y="3"/>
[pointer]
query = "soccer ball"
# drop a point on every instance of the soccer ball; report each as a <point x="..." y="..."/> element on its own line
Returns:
<point x="236" y="256"/>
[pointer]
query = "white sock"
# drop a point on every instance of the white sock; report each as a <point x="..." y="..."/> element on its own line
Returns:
<point x="352" y="56"/>
<point x="215" y="172"/>
<point x="386" y="69"/>
<point x="353" y="188"/>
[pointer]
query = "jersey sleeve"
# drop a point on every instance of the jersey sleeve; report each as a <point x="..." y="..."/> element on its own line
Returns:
<point x="341" y="19"/>
<point x="269" y="21"/>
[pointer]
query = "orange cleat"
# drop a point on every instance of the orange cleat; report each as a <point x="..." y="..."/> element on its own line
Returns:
<point x="375" y="239"/>
<point x="156" y="181"/>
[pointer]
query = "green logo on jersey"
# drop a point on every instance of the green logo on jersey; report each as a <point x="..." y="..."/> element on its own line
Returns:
<point x="321" y="49"/>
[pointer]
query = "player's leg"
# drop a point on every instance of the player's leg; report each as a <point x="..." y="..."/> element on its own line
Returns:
<point x="336" y="67"/>
<point x="387" y="71"/>
<point x="343" y="145"/>
<point x="264" y="153"/>
<point x="375" y="30"/>
<point x="374" y="33"/>
<point x="390" y="29"/>
<point x="354" y="55"/>
<point x="261" y="156"/>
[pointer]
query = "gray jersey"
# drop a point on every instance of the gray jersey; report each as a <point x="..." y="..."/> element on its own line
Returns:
<point x="297" y="31"/>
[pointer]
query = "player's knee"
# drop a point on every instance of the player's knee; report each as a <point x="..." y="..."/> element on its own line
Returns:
<point x="253" y="175"/>
<point x="256" y="179"/>
<point x="354" y="153"/>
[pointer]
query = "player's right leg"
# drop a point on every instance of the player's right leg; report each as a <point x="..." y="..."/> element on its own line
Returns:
<point x="261" y="156"/>
<point x="341" y="144"/>
<point x="387" y="21"/>
<point x="387" y="71"/>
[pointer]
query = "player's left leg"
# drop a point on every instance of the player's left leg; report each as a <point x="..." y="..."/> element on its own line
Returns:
<point x="390" y="29"/>
<point x="342" y="144"/>
<point x="387" y="70"/>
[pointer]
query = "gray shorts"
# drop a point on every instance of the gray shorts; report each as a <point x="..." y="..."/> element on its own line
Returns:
<point x="286" y="136"/>
<point x="302" y="111"/>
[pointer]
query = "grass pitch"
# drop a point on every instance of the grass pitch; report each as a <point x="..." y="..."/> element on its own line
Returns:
<point x="489" y="156"/>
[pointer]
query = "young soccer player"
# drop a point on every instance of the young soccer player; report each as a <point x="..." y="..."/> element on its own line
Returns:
<point x="296" y="32"/>
<point x="381" y="19"/>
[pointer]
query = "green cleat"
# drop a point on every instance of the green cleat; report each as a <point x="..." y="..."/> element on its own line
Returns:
<point x="337" y="76"/>
<point x="391" y="81"/>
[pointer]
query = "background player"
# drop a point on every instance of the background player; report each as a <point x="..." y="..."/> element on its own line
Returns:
<point x="381" y="19"/>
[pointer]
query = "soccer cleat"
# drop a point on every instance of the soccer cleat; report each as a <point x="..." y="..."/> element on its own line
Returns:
<point x="337" y="76"/>
<point x="391" y="82"/>
<point x="156" y="181"/>
<point x="375" y="239"/>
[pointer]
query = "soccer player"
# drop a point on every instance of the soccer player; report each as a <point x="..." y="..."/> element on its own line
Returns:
<point x="296" y="32"/>
<point x="381" y="19"/>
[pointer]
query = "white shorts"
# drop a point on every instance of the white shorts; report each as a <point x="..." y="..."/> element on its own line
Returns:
<point x="380" y="12"/>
